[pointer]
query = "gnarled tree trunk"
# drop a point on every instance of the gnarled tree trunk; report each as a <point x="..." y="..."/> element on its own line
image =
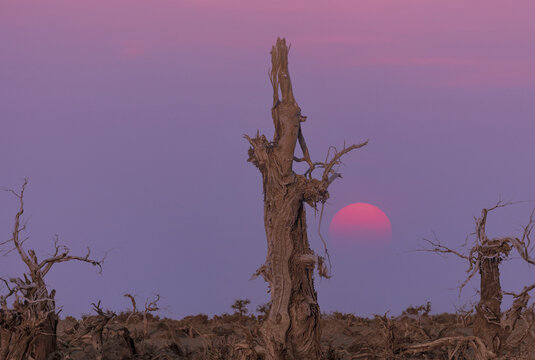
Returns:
<point x="291" y="329"/>
<point x="488" y="325"/>
<point x="487" y="321"/>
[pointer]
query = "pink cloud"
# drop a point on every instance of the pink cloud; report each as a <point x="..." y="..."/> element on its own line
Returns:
<point x="131" y="49"/>
<point x="455" y="44"/>
<point x="341" y="40"/>
<point x="425" y="61"/>
<point x="496" y="74"/>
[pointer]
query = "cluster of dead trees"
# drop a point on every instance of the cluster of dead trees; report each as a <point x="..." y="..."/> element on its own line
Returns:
<point x="290" y="329"/>
<point x="482" y="332"/>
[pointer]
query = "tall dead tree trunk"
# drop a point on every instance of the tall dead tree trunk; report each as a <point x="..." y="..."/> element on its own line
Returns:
<point x="291" y="329"/>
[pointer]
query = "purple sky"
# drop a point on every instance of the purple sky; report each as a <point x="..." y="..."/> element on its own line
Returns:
<point x="128" y="116"/>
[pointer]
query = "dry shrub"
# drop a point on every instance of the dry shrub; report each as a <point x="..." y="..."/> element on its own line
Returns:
<point x="263" y="311"/>
<point x="199" y="319"/>
<point x="340" y="316"/>
<point x="422" y="310"/>
<point x="240" y="306"/>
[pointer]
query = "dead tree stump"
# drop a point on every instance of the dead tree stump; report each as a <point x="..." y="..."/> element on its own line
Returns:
<point x="487" y="321"/>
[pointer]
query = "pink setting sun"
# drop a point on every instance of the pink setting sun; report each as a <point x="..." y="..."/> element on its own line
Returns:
<point x="360" y="225"/>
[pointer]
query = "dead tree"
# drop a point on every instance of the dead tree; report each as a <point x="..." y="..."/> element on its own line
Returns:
<point x="95" y="326"/>
<point x="491" y="325"/>
<point x="150" y="306"/>
<point x="134" y="311"/>
<point x="291" y="329"/>
<point x="28" y="328"/>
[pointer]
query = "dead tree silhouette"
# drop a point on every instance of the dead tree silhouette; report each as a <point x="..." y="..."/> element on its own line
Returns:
<point x="485" y="256"/>
<point x="28" y="330"/>
<point x="291" y="329"/>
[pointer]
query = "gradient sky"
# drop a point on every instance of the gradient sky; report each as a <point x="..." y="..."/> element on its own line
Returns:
<point x="128" y="116"/>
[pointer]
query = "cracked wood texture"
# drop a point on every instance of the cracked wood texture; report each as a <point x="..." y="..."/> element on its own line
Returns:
<point x="488" y="318"/>
<point x="292" y="328"/>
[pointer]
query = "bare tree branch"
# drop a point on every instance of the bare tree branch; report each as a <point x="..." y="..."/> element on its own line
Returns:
<point x="47" y="264"/>
<point x="437" y="247"/>
<point x="17" y="227"/>
<point x="336" y="159"/>
<point x="133" y="300"/>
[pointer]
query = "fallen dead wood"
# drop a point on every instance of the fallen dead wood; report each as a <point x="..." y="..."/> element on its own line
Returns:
<point x="476" y="344"/>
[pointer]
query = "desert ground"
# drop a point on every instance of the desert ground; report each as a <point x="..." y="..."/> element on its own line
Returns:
<point x="416" y="334"/>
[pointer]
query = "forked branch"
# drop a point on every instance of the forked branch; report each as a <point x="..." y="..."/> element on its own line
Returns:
<point x="37" y="270"/>
<point x="336" y="160"/>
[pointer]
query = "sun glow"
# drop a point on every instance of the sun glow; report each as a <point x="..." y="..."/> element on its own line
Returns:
<point x="360" y="224"/>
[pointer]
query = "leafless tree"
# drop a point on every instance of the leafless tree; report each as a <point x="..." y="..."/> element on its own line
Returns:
<point x="291" y="329"/>
<point x="484" y="257"/>
<point x="150" y="306"/>
<point x="28" y="328"/>
<point x="95" y="326"/>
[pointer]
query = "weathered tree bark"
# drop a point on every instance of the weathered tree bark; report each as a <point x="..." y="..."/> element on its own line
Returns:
<point x="45" y="342"/>
<point x="29" y="329"/>
<point x="291" y="329"/>
<point x="487" y="321"/>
